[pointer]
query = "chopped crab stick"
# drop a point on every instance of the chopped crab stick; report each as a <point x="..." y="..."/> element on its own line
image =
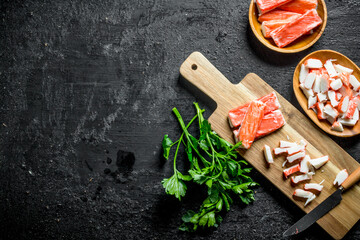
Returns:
<point x="336" y="84"/>
<point x="268" y="155"/>
<point x="270" y="123"/>
<point x="300" y="194"/>
<point x="341" y="177"/>
<point x="330" y="68"/>
<point x="337" y="126"/>
<point x="296" y="149"/>
<point x="251" y="123"/>
<point x="268" y="5"/>
<point x="330" y="111"/>
<point x="341" y="69"/>
<point x="312" y="101"/>
<point x="296" y="28"/>
<point x="320" y="110"/>
<point x="330" y="119"/>
<point x="354" y="83"/>
<point x="316" y="87"/>
<point x="315" y="188"/>
<point x="346" y="91"/>
<point x="236" y="115"/>
<point x="268" y="26"/>
<point x="304" y="71"/>
<point x="319" y="162"/>
<point x="286" y="144"/>
<point x="345" y="78"/>
<point x="313" y="63"/>
<point x="344" y="104"/>
<point x="350" y="122"/>
<point x="307" y="92"/>
<point x="309" y="80"/>
<point x="332" y="98"/>
<point x="351" y="109"/>
<point x="338" y="96"/>
<point x="321" y="97"/>
<point x="295" y="157"/>
<point x="291" y="170"/>
<point x="324" y="84"/>
<point x="300" y="178"/>
<point x="304" y="164"/>
<point x="299" y="6"/>
<point x="278" y="151"/>
<point x="278" y="15"/>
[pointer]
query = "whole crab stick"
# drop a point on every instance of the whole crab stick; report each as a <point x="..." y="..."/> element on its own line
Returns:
<point x="236" y="115"/>
<point x="251" y="123"/>
<point x="268" y="5"/>
<point x="278" y="15"/>
<point x="268" y="26"/>
<point x="291" y="31"/>
<point x="299" y="6"/>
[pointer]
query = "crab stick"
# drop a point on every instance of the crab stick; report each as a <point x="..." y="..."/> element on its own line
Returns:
<point x="278" y="15"/>
<point x="300" y="194"/>
<point x="270" y="123"/>
<point x="299" y="6"/>
<point x="313" y="63"/>
<point x="291" y="170"/>
<point x="300" y="178"/>
<point x="336" y="84"/>
<point x="330" y="111"/>
<point x="350" y="122"/>
<point x="341" y="177"/>
<point x="322" y="97"/>
<point x="355" y="84"/>
<point x="304" y="71"/>
<point x="351" y="109"/>
<point x="307" y="92"/>
<point x="304" y="164"/>
<point x="286" y="144"/>
<point x="278" y="151"/>
<point x="268" y="155"/>
<point x="267" y="27"/>
<point x="324" y="84"/>
<point x="345" y="78"/>
<point x="319" y="106"/>
<point x="309" y="80"/>
<point x="236" y="115"/>
<point x="251" y="123"/>
<point x="312" y="100"/>
<point x="337" y="126"/>
<point x="341" y="69"/>
<point x="296" y="157"/>
<point x="330" y="68"/>
<point x="332" y="98"/>
<point x="315" y="188"/>
<point x="291" y="31"/>
<point x="319" y="162"/>
<point x="296" y="149"/>
<point x="344" y="104"/>
<point x="268" y="5"/>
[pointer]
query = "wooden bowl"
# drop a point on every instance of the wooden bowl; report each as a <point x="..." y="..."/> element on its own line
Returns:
<point x="298" y="45"/>
<point x="323" y="55"/>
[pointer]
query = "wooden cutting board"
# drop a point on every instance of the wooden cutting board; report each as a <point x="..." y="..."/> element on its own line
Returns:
<point x="203" y="75"/>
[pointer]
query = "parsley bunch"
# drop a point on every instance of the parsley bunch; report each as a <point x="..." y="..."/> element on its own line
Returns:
<point x="213" y="162"/>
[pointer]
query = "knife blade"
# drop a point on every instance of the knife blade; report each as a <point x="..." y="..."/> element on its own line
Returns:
<point x="332" y="201"/>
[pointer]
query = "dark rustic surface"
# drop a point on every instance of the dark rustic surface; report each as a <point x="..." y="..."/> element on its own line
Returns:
<point x="86" y="91"/>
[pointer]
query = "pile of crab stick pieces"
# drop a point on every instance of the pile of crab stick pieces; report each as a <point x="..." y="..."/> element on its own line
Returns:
<point x="301" y="168"/>
<point x="287" y="20"/>
<point x="333" y="92"/>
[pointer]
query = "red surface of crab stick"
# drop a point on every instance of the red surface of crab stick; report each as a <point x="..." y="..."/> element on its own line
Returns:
<point x="299" y="6"/>
<point x="278" y="15"/>
<point x="270" y="123"/>
<point x="268" y="5"/>
<point x="296" y="28"/>
<point x="251" y="123"/>
<point x="236" y="115"/>
<point x="268" y="26"/>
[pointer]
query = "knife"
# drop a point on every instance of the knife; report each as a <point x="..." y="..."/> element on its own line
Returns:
<point x="324" y="207"/>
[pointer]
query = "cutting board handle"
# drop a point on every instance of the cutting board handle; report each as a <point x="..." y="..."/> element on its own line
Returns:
<point x="352" y="179"/>
<point x="203" y="75"/>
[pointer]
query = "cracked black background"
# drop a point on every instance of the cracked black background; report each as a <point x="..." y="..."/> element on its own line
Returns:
<point x="86" y="92"/>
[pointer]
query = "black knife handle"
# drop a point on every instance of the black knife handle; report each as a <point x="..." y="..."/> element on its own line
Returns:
<point x="352" y="179"/>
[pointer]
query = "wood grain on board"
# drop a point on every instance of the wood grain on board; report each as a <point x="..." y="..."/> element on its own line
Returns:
<point x="203" y="75"/>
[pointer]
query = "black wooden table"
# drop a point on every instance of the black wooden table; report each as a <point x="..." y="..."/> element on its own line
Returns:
<point x="86" y="92"/>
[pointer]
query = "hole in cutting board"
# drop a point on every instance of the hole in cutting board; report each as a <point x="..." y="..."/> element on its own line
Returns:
<point x="194" y="67"/>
